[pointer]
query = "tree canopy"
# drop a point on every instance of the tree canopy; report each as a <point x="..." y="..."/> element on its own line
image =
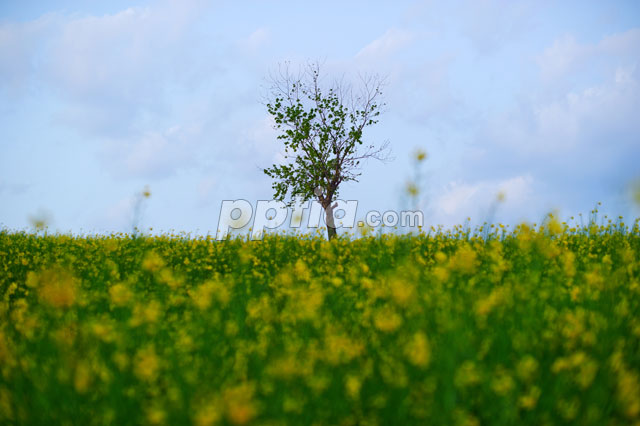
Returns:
<point x="322" y="131"/>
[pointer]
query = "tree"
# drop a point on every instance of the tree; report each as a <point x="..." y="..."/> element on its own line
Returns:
<point x="322" y="132"/>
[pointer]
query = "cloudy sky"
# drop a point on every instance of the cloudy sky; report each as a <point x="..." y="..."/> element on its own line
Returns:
<point x="534" y="99"/>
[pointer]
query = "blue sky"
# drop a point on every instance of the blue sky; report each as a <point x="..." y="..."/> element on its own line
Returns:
<point x="534" y="99"/>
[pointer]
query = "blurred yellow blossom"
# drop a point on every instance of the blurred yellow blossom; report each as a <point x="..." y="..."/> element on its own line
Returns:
<point x="57" y="287"/>
<point x="418" y="350"/>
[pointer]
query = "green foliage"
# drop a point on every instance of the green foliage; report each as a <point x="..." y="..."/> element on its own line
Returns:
<point x="322" y="134"/>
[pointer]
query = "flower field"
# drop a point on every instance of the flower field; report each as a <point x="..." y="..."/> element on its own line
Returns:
<point x="540" y="325"/>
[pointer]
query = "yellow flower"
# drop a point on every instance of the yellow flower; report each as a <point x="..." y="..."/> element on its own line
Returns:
<point x="167" y="277"/>
<point x="402" y="291"/>
<point x="554" y="227"/>
<point x="209" y="413"/>
<point x="628" y="388"/>
<point x="418" y="351"/>
<point x="352" y="386"/>
<point x="464" y="260"/>
<point x="57" y="288"/>
<point x="147" y="364"/>
<point x="82" y="377"/>
<point x="204" y="294"/>
<point x="485" y="305"/>
<point x="120" y="294"/>
<point x="103" y="331"/>
<point x="240" y="408"/>
<point x="467" y="375"/>
<point x="301" y="270"/>
<point x="527" y="368"/>
<point x="336" y="281"/>
<point x="568" y="263"/>
<point x="146" y="313"/>
<point x="412" y="189"/>
<point x="261" y="309"/>
<point x="387" y="320"/>
<point x="502" y="382"/>
<point x="121" y="360"/>
<point x="341" y="349"/>
<point x="529" y="400"/>
<point x="568" y="409"/>
<point x="441" y="273"/>
<point x="152" y="262"/>
<point x="156" y="415"/>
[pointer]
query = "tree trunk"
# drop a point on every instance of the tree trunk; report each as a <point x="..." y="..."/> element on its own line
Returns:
<point x="331" y="227"/>
<point x="331" y="232"/>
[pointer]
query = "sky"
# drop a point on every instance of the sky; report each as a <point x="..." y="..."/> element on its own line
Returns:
<point x="534" y="100"/>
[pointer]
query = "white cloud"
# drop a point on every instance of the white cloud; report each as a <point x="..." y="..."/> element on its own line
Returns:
<point x="457" y="197"/>
<point x="206" y="187"/>
<point x="391" y="41"/>
<point x="422" y="93"/>
<point x="575" y="122"/>
<point x="579" y="143"/>
<point x="14" y="188"/>
<point x="117" y="56"/>
<point x="516" y="190"/>
<point x="561" y="57"/>
<point x="458" y="200"/>
<point x="258" y="142"/>
<point x="153" y="155"/>
<point x="114" y="66"/>
<point x="257" y="39"/>
<point x="114" y="80"/>
<point x="625" y="43"/>
<point x="566" y="56"/>
<point x="489" y="24"/>
<point x="18" y="44"/>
